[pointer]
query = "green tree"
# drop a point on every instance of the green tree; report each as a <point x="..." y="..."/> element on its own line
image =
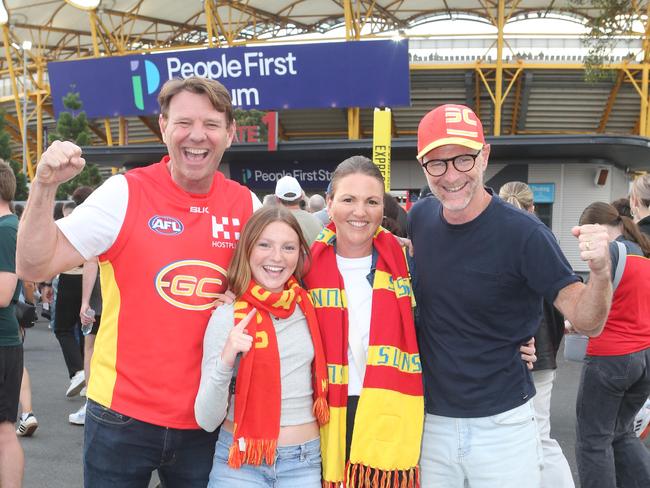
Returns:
<point x="73" y="126"/>
<point x="613" y="20"/>
<point x="252" y="117"/>
<point x="5" y="153"/>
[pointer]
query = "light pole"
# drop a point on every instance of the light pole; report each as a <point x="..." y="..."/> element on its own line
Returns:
<point x="27" y="45"/>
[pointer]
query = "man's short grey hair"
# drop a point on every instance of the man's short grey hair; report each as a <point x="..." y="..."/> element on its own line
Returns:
<point x="316" y="203"/>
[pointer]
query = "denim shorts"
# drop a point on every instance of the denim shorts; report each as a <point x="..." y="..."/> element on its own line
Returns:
<point x="297" y="466"/>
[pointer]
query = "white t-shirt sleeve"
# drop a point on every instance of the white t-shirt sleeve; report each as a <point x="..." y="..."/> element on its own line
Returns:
<point x="257" y="204"/>
<point x="93" y="227"/>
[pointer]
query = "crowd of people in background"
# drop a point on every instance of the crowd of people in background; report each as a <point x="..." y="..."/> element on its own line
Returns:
<point x="324" y="340"/>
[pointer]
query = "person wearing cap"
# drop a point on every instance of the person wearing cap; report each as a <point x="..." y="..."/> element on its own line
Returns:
<point x="288" y="192"/>
<point x="481" y="270"/>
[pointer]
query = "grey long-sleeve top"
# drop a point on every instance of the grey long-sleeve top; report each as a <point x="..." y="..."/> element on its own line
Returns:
<point x="296" y="356"/>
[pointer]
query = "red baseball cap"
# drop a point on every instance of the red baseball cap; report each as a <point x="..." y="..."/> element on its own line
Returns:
<point x="449" y="124"/>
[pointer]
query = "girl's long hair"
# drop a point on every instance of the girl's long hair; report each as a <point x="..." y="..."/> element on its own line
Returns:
<point x="606" y="214"/>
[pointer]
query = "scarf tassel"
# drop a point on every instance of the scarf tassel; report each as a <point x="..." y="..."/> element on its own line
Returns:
<point x="257" y="450"/>
<point x="359" y="475"/>
<point x="331" y="484"/>
<point x="321" y="411"/>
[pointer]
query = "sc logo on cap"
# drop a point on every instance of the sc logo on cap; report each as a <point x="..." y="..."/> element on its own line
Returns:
<point x="454" y="115"/>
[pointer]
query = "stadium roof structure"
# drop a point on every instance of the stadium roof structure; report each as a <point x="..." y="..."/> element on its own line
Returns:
<point x="515" y="93"/>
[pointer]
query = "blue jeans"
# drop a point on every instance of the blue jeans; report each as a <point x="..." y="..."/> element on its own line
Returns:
<point x="502" y="450"/>
<point x="612" y="390"/>
<point x="295" y="467"/>
<point x="120" y="451"/>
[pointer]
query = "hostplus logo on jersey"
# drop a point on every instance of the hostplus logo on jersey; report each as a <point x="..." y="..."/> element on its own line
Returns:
<point x="151" y="78"/>
<point x="225" y="231"/>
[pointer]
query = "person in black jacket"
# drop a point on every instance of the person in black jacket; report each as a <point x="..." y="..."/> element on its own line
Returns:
<point x="556" y="472"/>
<point x="640" y="202"/>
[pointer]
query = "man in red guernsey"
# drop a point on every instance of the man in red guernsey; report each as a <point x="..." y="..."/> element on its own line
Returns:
<point x="164" y="235"/>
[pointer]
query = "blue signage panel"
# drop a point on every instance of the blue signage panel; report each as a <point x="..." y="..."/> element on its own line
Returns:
<point x="327" y="75"/>
<point x="313" y="176"/>
<point x="543" y="192"/>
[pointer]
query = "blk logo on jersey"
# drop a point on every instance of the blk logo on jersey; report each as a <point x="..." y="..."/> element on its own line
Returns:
<point x="168" y="226"/>
<point x="191" y="284"/>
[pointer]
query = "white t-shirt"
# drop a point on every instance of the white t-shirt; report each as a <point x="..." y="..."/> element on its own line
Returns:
<point x="94" y="226"/>
<point x="359" y="297"/>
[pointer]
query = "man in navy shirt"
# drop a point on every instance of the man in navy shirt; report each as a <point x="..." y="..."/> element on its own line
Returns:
<point x="482" y="268"/>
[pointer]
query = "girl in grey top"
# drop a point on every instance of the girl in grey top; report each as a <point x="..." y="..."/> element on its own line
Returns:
<point x="268" y="341"/>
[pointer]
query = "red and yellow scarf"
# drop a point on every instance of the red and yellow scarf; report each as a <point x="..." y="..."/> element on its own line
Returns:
<point x="389" y="419"/>
<point x="258" y="390"/>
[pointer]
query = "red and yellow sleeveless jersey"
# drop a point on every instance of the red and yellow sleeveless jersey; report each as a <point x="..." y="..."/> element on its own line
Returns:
<point x="627" y="329"/>
<point x="159" y="283"/>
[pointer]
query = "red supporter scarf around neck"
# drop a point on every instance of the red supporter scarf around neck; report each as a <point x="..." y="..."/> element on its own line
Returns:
<point x="258" y="389"/>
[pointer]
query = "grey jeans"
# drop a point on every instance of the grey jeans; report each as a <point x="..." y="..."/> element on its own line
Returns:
<point x="612" y="391"/>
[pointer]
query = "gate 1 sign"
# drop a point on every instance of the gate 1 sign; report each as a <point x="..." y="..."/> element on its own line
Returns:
<point x="322" y="75"/>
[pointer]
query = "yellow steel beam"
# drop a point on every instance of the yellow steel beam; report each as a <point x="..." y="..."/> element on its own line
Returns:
<point x="209" y="21"/>
<point x="14" y="86"/>
<point x="516" y="65"/>
<point x="107" y="136"/>
<point x="630" y="76"/>
<point x="17" y="122"/>
<point x="108" y="132"/>
<point x="643" y="117"/>
<point x="222" y="28"/>
<point x="487" y="85"/>
<point x="39" y="109"/>
<point x="515" y="109"/>
<point x="613" y="93"/>
<point x="352" y="27"/>
<point x="352" y="32"/>
<point x="332" y="133"/>
<point x="98" y="131"/>
<point x="153" y="127"/>
<point x="644" y="125"/>
<point x="512" y="81"/>
<point x="499" y="69"/>
<point x="122" y="131"/>
<point x="477" y="95"/>
<point x="354" y="123"/>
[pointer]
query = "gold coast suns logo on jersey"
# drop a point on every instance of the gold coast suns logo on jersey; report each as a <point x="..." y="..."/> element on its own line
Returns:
<point x="191" y="284"/>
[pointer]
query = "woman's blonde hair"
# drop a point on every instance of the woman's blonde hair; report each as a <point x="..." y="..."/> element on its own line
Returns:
<point x="641" y="190"/>
<point x="239" y="272"/>
<point x="517" y="193"/>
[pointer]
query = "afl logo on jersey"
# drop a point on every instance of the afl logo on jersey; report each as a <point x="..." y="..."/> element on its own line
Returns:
<point x="191" y="284"/>
<point x="167" y="226"/>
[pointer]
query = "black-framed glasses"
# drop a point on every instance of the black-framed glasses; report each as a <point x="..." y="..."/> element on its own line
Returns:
<point x="462" y="163"/>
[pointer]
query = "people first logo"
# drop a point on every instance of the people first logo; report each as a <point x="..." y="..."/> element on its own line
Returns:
<point x="151" y="80"/>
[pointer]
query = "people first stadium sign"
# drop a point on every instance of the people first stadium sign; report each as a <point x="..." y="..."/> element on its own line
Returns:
<point x="323" y="75"/>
